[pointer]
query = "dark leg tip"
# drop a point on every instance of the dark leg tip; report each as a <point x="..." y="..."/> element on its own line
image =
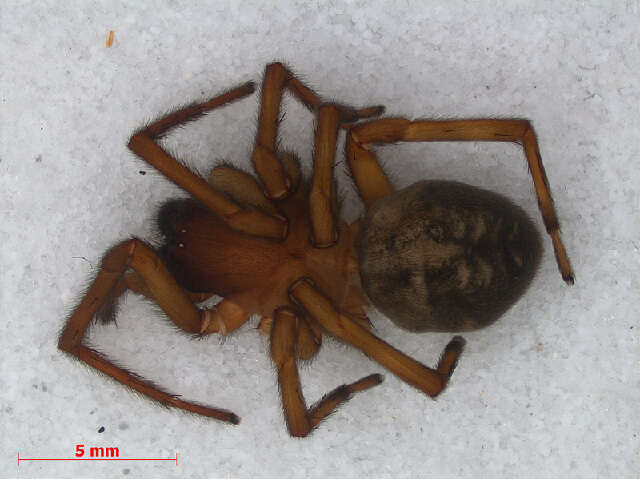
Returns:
<point x="369" y="112"/>
<point x="450" y="355"/>
<point x="362" y="384"/>
<point x="456" y="344"/>
<point x="569" y="279"/>
<point x="234" y="419"/>
<point x="376" y="378"/>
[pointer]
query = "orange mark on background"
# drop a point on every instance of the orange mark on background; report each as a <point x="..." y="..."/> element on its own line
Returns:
<point x="110" y="39"/>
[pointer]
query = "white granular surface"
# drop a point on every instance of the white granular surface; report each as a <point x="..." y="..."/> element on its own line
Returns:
<point x="551" y="390"/>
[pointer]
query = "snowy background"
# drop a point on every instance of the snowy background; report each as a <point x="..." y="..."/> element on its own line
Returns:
<point x="551" y="390"/>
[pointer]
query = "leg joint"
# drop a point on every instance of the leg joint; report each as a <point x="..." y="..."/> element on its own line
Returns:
<point x="119" y="257"/>
<point x="134" y="141"/>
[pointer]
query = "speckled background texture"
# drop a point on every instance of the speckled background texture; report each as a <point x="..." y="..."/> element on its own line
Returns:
<point x="551" y="390"/>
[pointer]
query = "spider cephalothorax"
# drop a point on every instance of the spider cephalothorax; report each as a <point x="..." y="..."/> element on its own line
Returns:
<point x="437" y="256"/>
<point x="254" y="272"/>
<point x="445" y="256"/>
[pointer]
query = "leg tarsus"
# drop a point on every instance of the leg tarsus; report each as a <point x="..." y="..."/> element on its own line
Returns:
<point x="341" y="394"/>
<point x="300" y="421"/>
<point x="373" y="184"/>
<point x="253" y="222"/>
<point x="143" y="143"/>
<point x="93" y="358"/>
<point x="414" y="373"/>
<point x="196" y="110"/>
<point x="158" y="284"/>
<point x="450" y="355"/>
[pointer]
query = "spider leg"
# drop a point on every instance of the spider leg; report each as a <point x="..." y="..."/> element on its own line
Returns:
<point x="132" y="281"/>
<point x="161" y="286"/>
<point x="300" y="420"/>
<point x="353" y="305"/>
<point x="144" y="145"/>
<point x="224" y="318"/>
<point x="372" y="183"/>
<point x="324" y="232"/>
<point x="309" y="339"/>
<point x="309" y="336"/>
<point x="276" y="78"/>
<point x="241" y="188"/>
<point x="430" y="381"/>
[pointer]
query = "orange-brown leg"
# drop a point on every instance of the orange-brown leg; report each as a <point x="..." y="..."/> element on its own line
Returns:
<point x="309" y="337"/>
<point x="324" y="233"/>
<point x="224" y="318"/>
<point x="131" y="281"/>
<point x="165" y="291"/>
<point x="373" y="184"/>
<point x="430" y="381"/>
<point x="276" y="78"/>
<point x="301" y="421"/>
<point x="241" y="188"/>
<point x="144" y="145"/>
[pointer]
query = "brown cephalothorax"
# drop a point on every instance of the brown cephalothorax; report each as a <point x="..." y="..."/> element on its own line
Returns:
<point x="438" y="256"/>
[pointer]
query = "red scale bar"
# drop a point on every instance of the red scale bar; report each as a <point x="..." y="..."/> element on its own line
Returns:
<point x="175" y="459"/>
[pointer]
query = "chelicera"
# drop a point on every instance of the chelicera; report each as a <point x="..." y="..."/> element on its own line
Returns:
<point x="436" y="256"/>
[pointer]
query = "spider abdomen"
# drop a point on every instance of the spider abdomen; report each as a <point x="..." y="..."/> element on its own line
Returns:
<point x="446" y="256"/>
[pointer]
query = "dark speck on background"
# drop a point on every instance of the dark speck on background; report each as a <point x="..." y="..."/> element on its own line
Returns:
<point x="101" y="430"/>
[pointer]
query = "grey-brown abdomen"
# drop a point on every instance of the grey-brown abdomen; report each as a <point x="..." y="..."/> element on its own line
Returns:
<point x="446" y="256"/>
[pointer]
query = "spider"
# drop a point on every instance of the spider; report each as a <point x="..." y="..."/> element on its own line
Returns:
<point x="436" y="256"/>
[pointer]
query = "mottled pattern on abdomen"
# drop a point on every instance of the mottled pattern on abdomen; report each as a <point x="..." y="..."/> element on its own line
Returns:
<point x="446" y="256"/>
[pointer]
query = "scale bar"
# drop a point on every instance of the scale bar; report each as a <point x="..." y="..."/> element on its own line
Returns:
<point x="173" y="459"/>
